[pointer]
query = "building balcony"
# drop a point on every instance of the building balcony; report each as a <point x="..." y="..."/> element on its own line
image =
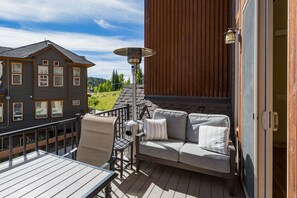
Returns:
<point x="153" y="180"/>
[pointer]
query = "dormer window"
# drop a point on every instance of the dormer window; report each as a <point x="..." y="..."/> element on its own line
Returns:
<point x="16" y="73"/>
<point x="42" y="76"/>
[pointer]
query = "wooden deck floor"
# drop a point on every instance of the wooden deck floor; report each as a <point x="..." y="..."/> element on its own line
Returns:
<point x="156" y="180"/>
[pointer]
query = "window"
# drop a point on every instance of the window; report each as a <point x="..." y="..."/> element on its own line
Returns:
<point x="1" y="112"/>
<point x="57" y="108"/>
<point x="45" y="62"/>
<point x="17" y="111"/>
<point x="16" y="73"/>
<point x="41" y="109"/>
<point x="58" y="77"/>
<point x="76" y="76"/>
<point x="42" y="76"/>
<point x="75" y="102"/>
<point x="56" y="63"/>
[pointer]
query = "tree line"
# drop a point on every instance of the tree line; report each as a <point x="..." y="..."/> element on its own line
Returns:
<point x="116" y="82"/>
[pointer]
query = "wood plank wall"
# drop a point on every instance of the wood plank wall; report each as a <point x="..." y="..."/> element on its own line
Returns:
<point x="192" y="58"/>
<point x="292" y="99"/>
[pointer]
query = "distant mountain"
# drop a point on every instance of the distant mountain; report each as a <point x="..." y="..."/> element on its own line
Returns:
<point x="94" y="82"/>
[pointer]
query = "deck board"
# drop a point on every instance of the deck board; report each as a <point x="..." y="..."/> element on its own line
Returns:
<point x="155" y="180"/>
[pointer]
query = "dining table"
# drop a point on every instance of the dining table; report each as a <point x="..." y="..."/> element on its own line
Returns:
<point x="43" y="174"/>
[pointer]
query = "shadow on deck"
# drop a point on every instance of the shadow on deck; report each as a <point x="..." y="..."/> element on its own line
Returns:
<point x="156" y="180"/>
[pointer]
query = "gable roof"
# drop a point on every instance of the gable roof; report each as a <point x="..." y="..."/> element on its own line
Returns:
<point x="3" y="49"/>
<point x="28" y="51"/>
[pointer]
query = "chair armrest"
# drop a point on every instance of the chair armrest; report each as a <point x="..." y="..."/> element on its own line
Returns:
<point x="141" y="134"/>
<point x="110" y="162"/>
<point x="70" y="152"/>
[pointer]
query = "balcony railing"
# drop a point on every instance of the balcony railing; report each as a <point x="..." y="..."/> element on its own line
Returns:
<point x="56" y="137"/>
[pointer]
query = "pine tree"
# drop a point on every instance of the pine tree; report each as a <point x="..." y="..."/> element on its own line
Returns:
<point x="139" y="76"/>
<point x="116" y="81"/>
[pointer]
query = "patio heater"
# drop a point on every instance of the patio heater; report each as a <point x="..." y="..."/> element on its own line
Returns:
<point x="134" y="55"/>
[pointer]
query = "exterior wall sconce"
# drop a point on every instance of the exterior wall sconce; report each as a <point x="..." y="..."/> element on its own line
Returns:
<point x="230" y="35"/>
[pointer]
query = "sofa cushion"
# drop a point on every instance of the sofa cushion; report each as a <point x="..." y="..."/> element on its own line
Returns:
<point x="214" y="138"/>
<point x="163" y="149"/>
<point x="176" y="122"/>
<point x="192" y="154"/>
<point x="197" y="119"/>
<point x="155" y="129"/>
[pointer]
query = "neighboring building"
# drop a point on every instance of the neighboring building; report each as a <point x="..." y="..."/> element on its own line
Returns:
<point x="255" y="79"/>
<point x="41" y="83"/>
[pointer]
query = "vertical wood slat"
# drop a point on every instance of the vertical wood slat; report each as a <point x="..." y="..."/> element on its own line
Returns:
<point x="292" y="99"/>
<point x="192" y="58"/>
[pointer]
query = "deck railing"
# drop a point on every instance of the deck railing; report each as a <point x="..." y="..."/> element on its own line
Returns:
<point x="56" y="137"/>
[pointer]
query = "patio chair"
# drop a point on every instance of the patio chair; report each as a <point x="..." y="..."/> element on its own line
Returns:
<point x="97" y="142"/>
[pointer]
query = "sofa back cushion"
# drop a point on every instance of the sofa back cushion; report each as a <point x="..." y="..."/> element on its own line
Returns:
<point x="176" y="122"/>
<point x="197" y="119"/>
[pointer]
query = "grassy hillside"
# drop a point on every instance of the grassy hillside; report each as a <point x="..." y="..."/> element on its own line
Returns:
<point x="103" y="101"/>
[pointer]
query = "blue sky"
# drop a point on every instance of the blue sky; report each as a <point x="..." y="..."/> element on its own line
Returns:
<point x="91" y="28"/>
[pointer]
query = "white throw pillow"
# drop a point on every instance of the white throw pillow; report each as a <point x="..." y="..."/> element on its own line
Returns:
<point x="214" y="138"/>
<point x="155" y="129"/>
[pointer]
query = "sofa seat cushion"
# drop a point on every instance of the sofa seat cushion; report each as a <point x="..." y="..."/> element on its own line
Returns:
<point x="163" y="149"/>
<point x="194" y="155"/>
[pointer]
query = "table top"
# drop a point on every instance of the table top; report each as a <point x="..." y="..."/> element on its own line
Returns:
<point x="42" y="174"/>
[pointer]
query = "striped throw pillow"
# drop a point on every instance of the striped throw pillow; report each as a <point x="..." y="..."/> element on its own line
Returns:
<point x="214" y="139"/>
<point x="155" y="129"/>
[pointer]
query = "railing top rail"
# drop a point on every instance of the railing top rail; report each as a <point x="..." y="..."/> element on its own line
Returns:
<point x="20" y="131"/>
<point x="112" y="110"/>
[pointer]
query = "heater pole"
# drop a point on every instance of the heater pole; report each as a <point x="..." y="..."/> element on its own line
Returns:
<point x="134" y="73"/>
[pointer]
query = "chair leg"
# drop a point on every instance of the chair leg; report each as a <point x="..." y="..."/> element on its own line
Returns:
<point x="131" y="156"/>
<point x="108" y="191"/>
<point x="122" y="159"/>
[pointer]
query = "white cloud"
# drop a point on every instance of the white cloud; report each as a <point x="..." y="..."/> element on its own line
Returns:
<point x="11" y="37"/>
<point x="104" y="24"/>
<point x="97" y="49"/>
<point x="129" y="11"/>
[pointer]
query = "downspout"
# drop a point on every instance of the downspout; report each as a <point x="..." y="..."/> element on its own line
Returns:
<point x="8" y="95"/>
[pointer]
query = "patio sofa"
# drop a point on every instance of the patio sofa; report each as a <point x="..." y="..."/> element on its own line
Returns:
<point x="182" y="149"/>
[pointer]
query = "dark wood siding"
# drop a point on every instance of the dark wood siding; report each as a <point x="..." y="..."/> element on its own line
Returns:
<point x="191" y="58"/>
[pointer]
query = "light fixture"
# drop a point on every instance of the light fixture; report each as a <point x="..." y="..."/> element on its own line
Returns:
<point x="230" y="35"/>
<point x="134" y="55"/>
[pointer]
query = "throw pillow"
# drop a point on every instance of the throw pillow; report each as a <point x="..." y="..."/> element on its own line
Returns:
<point x="155" y="129"/>
<point x="214" y="138"/>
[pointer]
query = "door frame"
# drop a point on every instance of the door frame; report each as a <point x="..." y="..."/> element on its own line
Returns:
<point x="292" y="100"/>
<point x="265" y="101"/>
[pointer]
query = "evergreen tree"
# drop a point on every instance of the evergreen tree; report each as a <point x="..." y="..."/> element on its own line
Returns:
<point x="139" y="75"/>
<point x="121" y="80"/>
<point x="113" y="78"/>
<point x="128" y="82"/>
<point x="116" y="81"/>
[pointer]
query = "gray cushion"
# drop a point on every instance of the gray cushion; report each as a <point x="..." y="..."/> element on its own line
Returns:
<point x="192" y="154"/>
<point x="176" y="122"/>
<point x="197" y="119"/>
<point x="164" y="149"/>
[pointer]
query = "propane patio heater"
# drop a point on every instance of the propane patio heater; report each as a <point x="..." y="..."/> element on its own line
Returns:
<point x="134" y="55"/>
